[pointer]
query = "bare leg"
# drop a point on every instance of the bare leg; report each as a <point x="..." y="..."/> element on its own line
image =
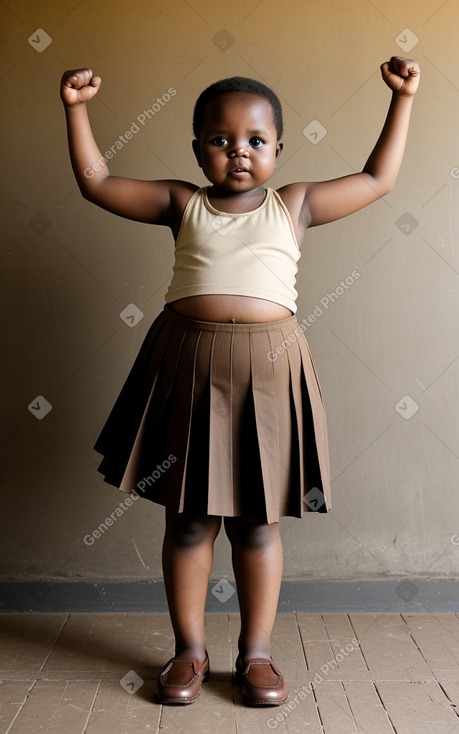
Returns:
<point x="257" y="562"/>
<point x="188" y="550"/>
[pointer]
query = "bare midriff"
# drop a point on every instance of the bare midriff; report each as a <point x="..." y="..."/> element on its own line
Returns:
<point x="231" y="309"/>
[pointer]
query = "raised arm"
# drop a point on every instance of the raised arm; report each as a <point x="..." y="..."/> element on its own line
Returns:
<point x="325" y="201"/>
<point x="154" y="202"/>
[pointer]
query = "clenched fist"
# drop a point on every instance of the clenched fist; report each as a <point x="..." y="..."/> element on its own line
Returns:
<point x="401" y="75"/>
<point x="78" y="86"/>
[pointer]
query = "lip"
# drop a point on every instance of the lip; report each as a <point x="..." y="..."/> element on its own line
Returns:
<point x="238" y="170"/>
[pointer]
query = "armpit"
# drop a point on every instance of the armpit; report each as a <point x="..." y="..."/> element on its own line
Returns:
<point x="304" y="217"/>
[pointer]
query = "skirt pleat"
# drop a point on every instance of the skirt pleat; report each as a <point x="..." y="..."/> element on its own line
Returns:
<point x="221" y="419"/>
<point x="220" y="425"/>
<point x="319" y="467"/>
<point x="266" y="398"/>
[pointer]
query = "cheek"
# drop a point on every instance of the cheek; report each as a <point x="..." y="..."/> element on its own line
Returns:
<point x="213" y="156"/>
<point x="269" y="157"/>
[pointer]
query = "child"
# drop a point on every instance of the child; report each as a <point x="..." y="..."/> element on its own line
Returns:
<point x="222" y="414"/>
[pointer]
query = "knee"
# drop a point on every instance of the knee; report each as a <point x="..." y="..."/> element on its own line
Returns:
<point x="250" y="534"/>
<point x="188" y="531"/>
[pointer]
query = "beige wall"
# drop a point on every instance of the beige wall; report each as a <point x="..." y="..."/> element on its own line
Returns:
<point x="68" y="269"/>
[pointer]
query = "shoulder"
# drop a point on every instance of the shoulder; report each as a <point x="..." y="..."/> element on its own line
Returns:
<point x="293" y="195"/>
<point x="181" y="193"/>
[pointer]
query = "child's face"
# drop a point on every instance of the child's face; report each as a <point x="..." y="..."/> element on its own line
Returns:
<point x="238" y="147"/>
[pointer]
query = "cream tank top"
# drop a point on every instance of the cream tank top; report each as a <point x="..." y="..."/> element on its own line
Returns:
<point x="245" y="254"/>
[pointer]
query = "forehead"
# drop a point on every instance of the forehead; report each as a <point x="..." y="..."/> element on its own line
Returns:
<point x="238" y="108"/>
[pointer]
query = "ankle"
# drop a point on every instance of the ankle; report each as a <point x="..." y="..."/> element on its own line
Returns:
<point x="193" y="652"/>
<point x="251" y="652"/>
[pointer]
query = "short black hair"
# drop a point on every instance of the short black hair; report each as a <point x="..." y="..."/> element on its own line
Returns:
<point x="237" y="84"/>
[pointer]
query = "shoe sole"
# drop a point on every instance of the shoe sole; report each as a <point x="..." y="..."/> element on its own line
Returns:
<point x="237" y="677"/>
<point x="177" y="701"/>
<point x="264" y="704"/>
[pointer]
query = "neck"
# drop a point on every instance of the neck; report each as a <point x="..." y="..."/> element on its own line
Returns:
<point x="236" y="201"/>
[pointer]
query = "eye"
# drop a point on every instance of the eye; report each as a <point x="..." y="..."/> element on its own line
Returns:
<point x="219" y="141"/>
<point x="255" y="142"/>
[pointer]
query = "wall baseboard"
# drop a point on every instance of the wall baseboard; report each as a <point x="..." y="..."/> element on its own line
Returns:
<point x="401" y="594"/>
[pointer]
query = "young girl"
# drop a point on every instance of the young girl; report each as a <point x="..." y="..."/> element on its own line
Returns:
<point x="222" y="414"/>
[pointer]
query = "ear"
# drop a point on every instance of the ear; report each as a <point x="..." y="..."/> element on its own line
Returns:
<point x="279" y="147"/>
<point x="196" y="151"/>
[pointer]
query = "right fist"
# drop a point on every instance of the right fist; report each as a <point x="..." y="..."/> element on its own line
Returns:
<point x="78" y="86"/>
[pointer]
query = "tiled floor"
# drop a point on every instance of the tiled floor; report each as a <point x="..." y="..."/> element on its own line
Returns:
<point x="365" y="673"/>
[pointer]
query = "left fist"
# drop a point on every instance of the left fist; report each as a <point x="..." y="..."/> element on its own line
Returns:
<point x="401" y="75"/>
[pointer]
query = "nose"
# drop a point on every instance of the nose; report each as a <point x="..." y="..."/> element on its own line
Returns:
<point x="239" y="152"/>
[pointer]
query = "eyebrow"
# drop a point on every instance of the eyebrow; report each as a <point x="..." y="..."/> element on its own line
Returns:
<point x="250" y="132"/>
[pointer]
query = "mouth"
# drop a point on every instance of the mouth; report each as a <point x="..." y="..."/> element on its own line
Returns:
<point x="238" y="171"/>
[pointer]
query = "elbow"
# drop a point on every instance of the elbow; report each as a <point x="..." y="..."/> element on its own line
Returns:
<point x="85" y="181"/>
<point x="386" y="189"/>
<point x="91" y="177"/>
<point x="90" y="188"/>
<point x="382" y="186"/>
<point x="87" y="194"/>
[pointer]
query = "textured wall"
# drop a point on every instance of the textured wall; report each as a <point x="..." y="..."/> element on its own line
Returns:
<point x="386" y="344"/>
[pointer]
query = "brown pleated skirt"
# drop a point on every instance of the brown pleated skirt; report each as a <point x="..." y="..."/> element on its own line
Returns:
<point x="221" y="419"/>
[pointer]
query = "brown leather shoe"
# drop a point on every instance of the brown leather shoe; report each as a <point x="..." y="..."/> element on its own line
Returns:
<point x="262" y="682"/>
<point x="180" y="681"/>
